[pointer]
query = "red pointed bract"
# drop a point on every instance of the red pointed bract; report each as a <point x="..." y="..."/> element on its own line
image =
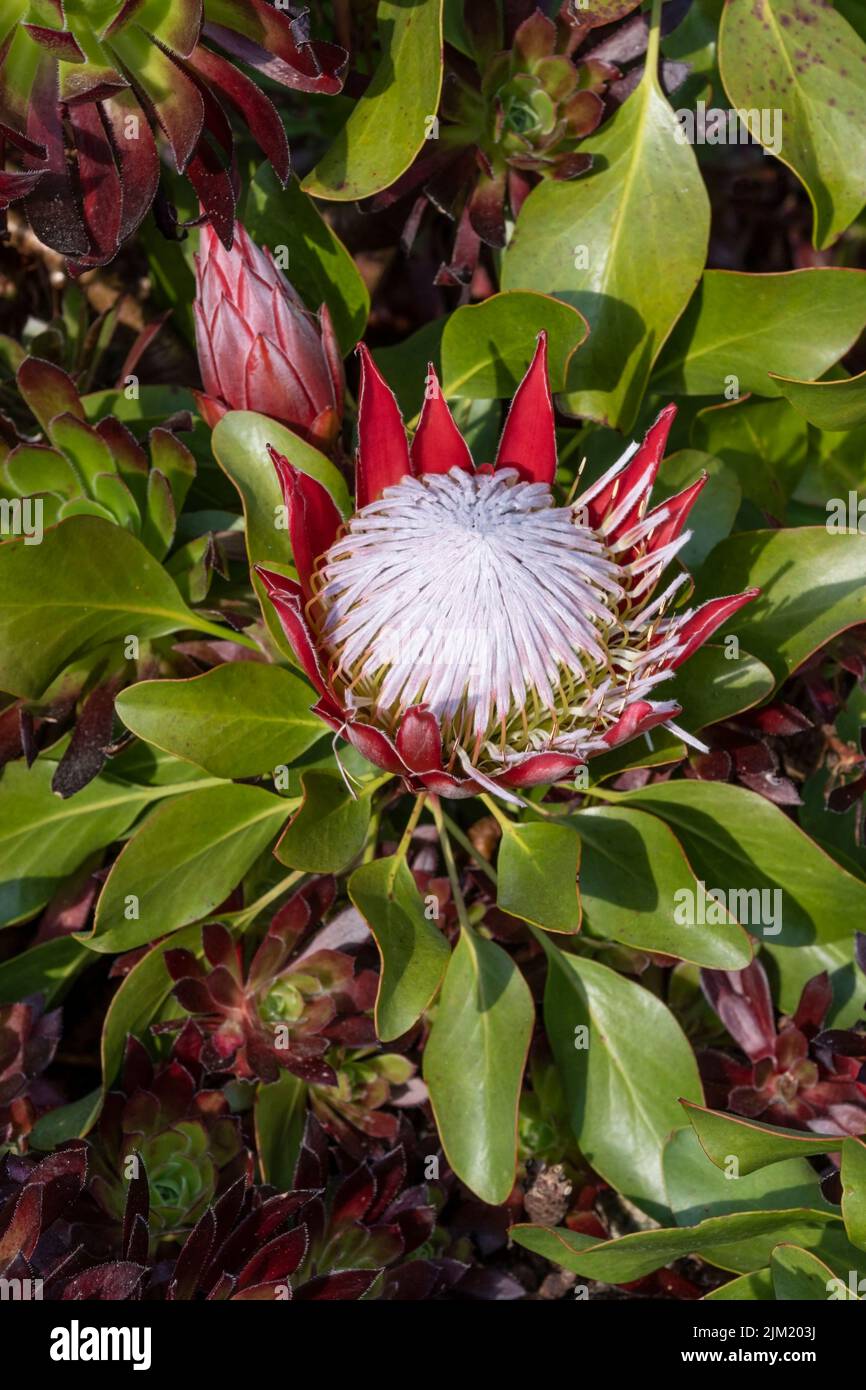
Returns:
<point x="677" y="509"/>
<point x="528" y="441"/>
<point x="438" y="445"/>
<point x="383" y="453"/>
<point x="419" y="741"/>
<point x="313" y="518"/>
<point x="642" y="467"/>
<point x="705" y="621"/>
<point x="286" y="596"/>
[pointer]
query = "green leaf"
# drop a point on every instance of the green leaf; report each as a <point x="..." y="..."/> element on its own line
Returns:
<point x="47" y="969"/>
<point x="89" y="581"/>
<point x="473" y="1064"/>
<point x="755" y="1287"/>
<point x="389" y="122"/>
<point x="624" y="1061"/>
<point x="752" y="1143"/>
<point x="811" y="584"/>
<point x="330" y="828"/>
<point x="139" y="1001"/>
<point x="150" y="406"/>
<point x="70" y="1121"/>
<point x="404" y="365"/>
<point x="633" y="869"/>
<point x="742" y="1240"/>
<point x="800" y="57"/>
<point x="280" y="1112"/>
<point x="854" y="1190"/>
<point x="763" y="443"/>
<point x="239" y="720"/>
<point x="714" y="513"/>
<point x="831" y="405"/>
<point x="793" y="322"/>
<point x="413" y="951"/>
<point x="799" y="1275"/>
<point x="738" y="841"/>
<point x="487" y="347"/>
<point x="240" y="444"/>
<point x="319" y="266"/>
<point x="186" y="858"/>
<point x="538" y="870"/>
<point x="44" y="839"/>
<point x="697" y="1189"/>
<point x="625" y="244"/>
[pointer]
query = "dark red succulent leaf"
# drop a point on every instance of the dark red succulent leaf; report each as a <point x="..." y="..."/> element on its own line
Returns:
<point x="797" y="1074"/>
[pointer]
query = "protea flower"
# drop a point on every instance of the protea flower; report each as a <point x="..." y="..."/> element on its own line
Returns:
<point x="88" y="90"/>
<point x="258" y="347"/>
<point x="463" y="630"/>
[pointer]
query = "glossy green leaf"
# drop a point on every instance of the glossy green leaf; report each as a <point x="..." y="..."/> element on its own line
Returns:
<point x="713" y="515"/>
<point x="811" y="583"/>
<point x="319" y="266"/>
<point x="756" y="1287"/>
<point x="764" y="443"/>
<point x="751" y="1142"/>
<point x="389" y="122"/>
<point x="742" y="1239"/>
<point x="238" y="720"/>
<point x="70" y="1121"/>
<point x="280" y="1112"/>
<point x="413" y="951"/>
<point x="625" y="244"/>
<point x="43" y="839"/>
<point x="487" y="347"/>
<point x="538" y="870"/>
<point x="800" y="57"/>
<point x="794" y="322"/>
<point x="831" y="405"/>
<point x="185" y="859"/>
<point x="739" y="842"/>
<point x="329" y="829"/>
<point x="800" y="1276"/>
<point x="87" y="582"/>
<point x="633" y="869"/>
<point x="473" y="1064"/>
<point x="240" y="444"/>
<point x="621" y="1090"/>
<point x="854" y="1190"/>
<point x="47" y="969"/>
<point x="697" y="1189"/>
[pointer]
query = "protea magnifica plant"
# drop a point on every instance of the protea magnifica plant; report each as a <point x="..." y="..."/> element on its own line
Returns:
<point x="464" y="630"/>
<point x="258" y="346"/>
<point x="88" y="88"/>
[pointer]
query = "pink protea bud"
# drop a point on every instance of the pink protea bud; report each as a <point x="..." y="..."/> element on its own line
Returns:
<point x="258" y="346"/>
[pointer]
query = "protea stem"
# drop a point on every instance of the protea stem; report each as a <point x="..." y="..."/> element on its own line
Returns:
<point x="450" y="865"/>
<point x="406" y="839"/>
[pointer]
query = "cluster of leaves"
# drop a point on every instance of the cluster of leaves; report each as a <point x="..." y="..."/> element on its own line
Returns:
<point x="268" y="1029"/>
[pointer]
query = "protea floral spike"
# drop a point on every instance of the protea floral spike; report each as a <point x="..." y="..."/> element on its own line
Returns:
<point x="88" y="91"/>
<point x="465" y="631"/>
<point x="258" y="346"/>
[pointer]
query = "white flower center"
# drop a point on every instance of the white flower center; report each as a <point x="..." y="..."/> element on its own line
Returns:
<point x="477" y="596"/>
